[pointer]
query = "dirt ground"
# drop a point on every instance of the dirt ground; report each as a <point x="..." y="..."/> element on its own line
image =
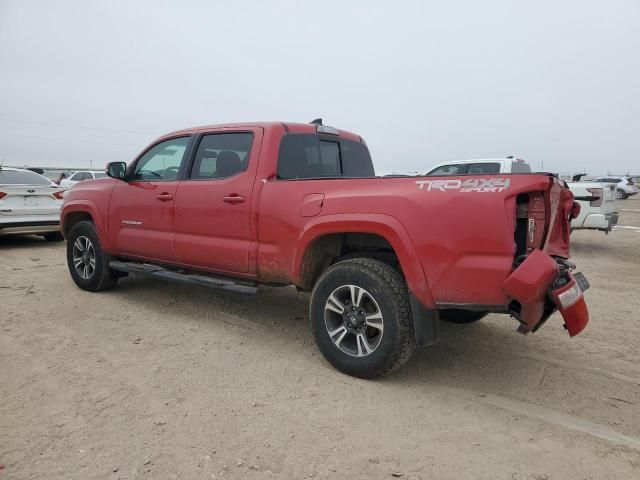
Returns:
<point x="158" y="381"/>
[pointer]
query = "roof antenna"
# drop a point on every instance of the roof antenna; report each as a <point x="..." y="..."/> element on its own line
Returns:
<point x="317" y="121"/>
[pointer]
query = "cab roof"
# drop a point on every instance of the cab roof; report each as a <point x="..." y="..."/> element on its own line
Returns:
<point x="287" y="127"/>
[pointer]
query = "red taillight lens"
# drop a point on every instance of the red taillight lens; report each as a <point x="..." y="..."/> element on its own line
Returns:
<point x="59" y="195"/>
<point x="567" y="296"/>
<point x="597" y="194"/>
<point x="2" y="195"/>
<point x="570" y="302"/>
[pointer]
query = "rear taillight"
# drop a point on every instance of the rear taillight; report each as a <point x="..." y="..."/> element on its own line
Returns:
<point x="2" y="195"/>
<point x="59" y="195"/>
<point x="596" y="196"/>
<point x="570" y="301"/>
<point x="568" y="296"/>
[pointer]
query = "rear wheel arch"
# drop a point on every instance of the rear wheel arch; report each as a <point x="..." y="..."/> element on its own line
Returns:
<point x="332" y="248"/>
<point x="325" y="243"/>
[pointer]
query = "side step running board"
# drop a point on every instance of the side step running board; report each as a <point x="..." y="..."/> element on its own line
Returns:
<point x="159" y="272"/>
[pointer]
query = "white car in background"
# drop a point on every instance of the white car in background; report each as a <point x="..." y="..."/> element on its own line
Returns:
<point x="480" y="166"/>
<point x="81" y="175"/>
<point x="29" y="204"/>
<point x="597" y="205"/>
<point x="625" y="186"/>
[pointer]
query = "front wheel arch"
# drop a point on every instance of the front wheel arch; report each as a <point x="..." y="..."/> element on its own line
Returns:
<point x="73" y="218"/>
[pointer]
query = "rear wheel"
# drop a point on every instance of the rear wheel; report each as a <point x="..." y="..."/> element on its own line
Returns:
<point x="620" y="194"/>
<point x="53" y="237"/>
<point x="455" y="315"/>
<point x="361" y="319"/>
<point x="87" y="262"/>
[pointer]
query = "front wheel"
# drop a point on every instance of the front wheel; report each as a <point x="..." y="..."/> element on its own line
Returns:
<point x="361" y="319"/>
<point x="87" y="262"/>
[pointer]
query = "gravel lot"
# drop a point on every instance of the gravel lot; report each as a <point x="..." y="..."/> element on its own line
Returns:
<point x="155" y="380"/>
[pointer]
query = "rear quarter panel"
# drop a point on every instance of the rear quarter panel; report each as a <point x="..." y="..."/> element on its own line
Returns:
<point x="453" y="246"/>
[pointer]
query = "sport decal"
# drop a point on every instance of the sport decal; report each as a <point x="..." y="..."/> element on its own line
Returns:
<point x="480" y="185"/>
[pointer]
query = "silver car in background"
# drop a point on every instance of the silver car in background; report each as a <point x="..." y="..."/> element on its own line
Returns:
<point x="29" y="204"/>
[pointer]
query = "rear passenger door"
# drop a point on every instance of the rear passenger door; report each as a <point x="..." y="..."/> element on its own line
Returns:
<point x="213" y="204"/>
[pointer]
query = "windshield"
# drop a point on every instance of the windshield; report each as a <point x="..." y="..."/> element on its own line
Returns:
<point x="13" y="177"/>
<point x="99" y="174"/>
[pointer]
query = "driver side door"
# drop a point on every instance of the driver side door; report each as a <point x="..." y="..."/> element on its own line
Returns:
<point x="141" y="210"/>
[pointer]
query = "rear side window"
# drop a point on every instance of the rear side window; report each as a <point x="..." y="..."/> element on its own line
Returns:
<point x="222" y="155"/>
<point x="607" y="180"/>
<point x="520" y="167"/>
<point x="11" y="177"/>
<point x="448" y="170"/>
<point x="310" y="156"/>
<point x="482" y="168"/>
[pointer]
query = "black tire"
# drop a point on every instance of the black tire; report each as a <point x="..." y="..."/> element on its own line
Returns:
<point x="53" y="237"/>
<point x="384" y="291"/>
<point x="621" y="194"/>
<point x="455" y="315"/>
<point x="100" y="276"/>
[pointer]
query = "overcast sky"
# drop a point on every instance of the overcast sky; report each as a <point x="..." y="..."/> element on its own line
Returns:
<point x="549" y="81"/>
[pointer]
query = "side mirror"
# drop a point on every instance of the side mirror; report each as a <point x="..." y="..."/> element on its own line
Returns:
<point x="117" y="170"/>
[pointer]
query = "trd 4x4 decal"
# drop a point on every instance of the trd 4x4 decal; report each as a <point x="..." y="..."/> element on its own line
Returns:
<point x="469" y="185"/>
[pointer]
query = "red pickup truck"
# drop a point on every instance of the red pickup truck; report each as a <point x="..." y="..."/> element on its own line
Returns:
<point x="385" y="259"/>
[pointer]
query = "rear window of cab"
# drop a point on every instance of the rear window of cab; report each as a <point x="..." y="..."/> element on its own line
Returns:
<point x="314" y="156"/>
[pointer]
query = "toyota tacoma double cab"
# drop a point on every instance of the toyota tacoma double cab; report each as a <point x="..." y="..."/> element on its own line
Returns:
<point x="237" y="206"/>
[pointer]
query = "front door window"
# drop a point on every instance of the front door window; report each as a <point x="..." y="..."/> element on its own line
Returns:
<point x="161" y="163"/>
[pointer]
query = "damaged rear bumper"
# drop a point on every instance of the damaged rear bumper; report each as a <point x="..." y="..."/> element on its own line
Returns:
<point x="539" y="286"/>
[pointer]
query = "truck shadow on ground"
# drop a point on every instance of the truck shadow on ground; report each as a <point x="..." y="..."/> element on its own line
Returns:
<point x="485" y="356"/>
<point x="9" y="242"/>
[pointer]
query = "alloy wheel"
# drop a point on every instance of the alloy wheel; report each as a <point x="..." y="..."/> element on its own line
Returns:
<point x="84" y="257"/>
<point x="354" y="320"/>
